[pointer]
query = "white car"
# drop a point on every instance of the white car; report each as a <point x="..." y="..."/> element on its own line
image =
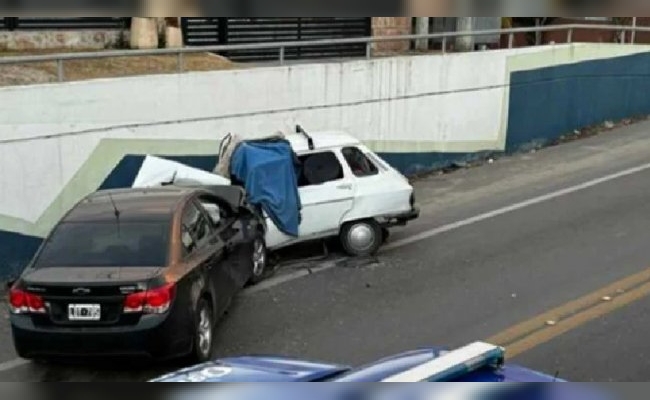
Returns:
<point x="361" y="198"/>
<point x="350" y="193"/>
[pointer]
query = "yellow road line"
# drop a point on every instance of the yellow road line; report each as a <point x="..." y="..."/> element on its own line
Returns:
<point x="534" y="332"/>
<point x="576" y="321"/>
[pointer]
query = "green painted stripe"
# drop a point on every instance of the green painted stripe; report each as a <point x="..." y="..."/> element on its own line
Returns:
<point x="567" y="54"/>
<point x="100" y="163"/>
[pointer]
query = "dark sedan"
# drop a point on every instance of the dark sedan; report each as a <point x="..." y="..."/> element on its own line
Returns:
<point x="138" y="272"/>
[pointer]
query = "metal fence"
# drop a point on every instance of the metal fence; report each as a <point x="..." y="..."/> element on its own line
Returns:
<point x="282" y="47"/>
<point x="213" y="31"/>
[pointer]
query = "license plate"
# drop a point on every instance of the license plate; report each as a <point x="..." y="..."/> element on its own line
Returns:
<point x="84" y="312"/>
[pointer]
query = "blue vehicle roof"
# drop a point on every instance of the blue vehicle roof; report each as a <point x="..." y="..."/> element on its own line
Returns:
<point x="284" y="369"/>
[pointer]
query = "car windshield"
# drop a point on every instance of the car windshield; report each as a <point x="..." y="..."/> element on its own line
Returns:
<point x="97" y="244"/>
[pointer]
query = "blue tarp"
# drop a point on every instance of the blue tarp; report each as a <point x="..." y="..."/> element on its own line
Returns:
<point x="268" y="172"/>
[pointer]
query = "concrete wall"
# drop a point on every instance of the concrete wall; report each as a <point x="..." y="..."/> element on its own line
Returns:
<point x="63" y="141"/>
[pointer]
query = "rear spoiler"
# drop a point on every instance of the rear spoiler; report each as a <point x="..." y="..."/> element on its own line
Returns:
<point x="454" y="364"/>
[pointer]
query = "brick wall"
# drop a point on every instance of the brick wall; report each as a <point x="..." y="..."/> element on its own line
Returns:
<point x="391" y="26"/>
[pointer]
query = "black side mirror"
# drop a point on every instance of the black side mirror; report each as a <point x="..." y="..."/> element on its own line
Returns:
<point x="10" y="284"/>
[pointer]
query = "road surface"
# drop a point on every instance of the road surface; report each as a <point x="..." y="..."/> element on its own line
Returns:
<point x="547" y="253"/>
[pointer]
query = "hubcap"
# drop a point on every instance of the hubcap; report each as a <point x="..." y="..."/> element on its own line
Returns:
<point x="361" y="237"/>
<point x="259" y="258"/>
<point x="205" y="332"/>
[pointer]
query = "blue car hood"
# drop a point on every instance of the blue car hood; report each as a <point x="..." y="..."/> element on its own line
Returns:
<point x="255" y="369"/>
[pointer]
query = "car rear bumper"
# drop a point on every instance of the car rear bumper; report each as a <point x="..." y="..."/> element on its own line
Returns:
<point x="400" y="219"/>
<point x="153" y="337"/>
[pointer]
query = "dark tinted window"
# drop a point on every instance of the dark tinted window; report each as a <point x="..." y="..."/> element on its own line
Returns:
<point x="97" y="244"/>
<point x="318" y="168"/>
<point x="358" y="162"/>
<point x="195" y="229"/>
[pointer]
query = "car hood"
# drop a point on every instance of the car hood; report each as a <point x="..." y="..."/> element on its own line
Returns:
<point x="89" y="275"/>
<point x="254" y="369"/>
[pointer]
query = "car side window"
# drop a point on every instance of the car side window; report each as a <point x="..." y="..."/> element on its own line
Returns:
<point x="195" y="229"/>
<point x="359" y="164"/>
<point x="319" y="168"/>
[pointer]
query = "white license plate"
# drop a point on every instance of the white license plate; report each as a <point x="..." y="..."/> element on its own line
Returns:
<point x="84" y="312"/>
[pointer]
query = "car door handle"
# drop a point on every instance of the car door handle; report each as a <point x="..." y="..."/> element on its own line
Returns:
<point x="345" y="186"/>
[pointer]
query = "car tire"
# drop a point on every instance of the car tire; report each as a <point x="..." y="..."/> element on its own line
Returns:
<point x="203" y="332"/>
<point x="361" y="238"/>
<point x="259" y="260"/>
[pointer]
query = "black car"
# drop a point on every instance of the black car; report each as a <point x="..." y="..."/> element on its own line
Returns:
<point x="138" y="272"/>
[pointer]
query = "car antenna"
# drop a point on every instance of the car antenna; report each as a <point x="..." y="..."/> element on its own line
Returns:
<point x="310" y="141"/>
<point x="171" y="182"/>
<point x="117" y="212"/>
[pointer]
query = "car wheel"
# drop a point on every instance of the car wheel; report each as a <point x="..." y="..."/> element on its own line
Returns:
<point x="259" y="260"/>
<point x="203" y="332"/>
<point x="361" y="238"/>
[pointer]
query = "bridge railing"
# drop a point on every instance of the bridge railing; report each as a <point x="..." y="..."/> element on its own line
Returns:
<point x="281" y="47"/>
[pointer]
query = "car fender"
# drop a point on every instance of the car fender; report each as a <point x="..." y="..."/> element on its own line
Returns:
<point x="376" y="204"/>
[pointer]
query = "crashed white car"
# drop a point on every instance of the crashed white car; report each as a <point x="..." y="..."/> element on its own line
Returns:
<point x="345" y="191"/>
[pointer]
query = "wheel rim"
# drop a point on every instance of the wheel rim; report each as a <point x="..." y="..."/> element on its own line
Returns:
<point x="361" y="237"/>
<point x="259" y="258"/>
<point x="205" y="332"/>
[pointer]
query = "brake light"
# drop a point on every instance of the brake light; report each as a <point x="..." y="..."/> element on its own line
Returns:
<point x="21" y="302"/>
<point x="154" y="301"/>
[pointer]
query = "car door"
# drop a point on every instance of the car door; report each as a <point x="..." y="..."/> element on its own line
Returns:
<point x="378" y="191"/>
<point x="231" y="240"/>
<point x="326" y="193"/>
<point x="199" y="249"/>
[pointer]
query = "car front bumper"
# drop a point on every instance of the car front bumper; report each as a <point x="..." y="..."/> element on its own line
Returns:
<point x="153" y="337"/>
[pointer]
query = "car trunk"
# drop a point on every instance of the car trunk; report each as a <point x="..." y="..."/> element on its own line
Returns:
<point x="88" y="288"/>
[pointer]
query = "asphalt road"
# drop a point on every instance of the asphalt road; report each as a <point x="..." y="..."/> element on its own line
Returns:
<point x="464" y="272"/>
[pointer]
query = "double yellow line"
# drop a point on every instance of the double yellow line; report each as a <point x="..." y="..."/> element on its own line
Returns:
<point x="574" y="314"/>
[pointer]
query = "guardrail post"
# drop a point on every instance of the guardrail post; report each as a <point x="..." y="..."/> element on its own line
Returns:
<point x="59" y="70"/>
<point x="281" y="55"/>
<point x="569" y="38"/>
<point x="180" y="62"/>
<point x="368" y="50"/>
<point x="444" y="45"/>
<point x="511" y="40"/>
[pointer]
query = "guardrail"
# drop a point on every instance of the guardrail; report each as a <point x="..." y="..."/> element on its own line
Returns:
<point x="282" y="46"/>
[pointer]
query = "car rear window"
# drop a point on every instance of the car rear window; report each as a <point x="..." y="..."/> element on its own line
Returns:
<point x="97" y="244"/>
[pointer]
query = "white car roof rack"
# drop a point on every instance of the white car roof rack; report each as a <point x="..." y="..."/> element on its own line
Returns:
<point x="453" y="364"/>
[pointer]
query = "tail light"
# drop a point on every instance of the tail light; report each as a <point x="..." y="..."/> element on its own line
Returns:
<point x="153" y="301"/>
<point x="21" y="302"/>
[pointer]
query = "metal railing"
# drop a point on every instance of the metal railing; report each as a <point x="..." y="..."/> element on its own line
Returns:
<point x="282" y="46"/>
